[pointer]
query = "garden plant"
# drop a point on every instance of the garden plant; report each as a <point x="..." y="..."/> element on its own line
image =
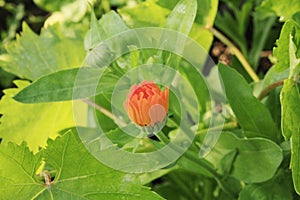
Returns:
<point x="150" y="99"/>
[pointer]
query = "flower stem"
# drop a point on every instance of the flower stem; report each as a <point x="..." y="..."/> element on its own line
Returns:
<point x="104" y="111"/>
<point x="192" y="156"/>
<point x="227" y="126"/>
<point x="236" y="52"/>
<point x="268" y="89"/>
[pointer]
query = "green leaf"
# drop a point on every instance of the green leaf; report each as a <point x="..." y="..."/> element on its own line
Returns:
<point x="145" y="14"/>
<point x="51" y="6"/>
<point x="282" y="8"/>
<point x="182" y="16"/>
<point x="255" y="160"/>
<point x="78" y="174"/>
<point x="289" y="97"/>
<point x="65" y="10"/>
<point x="109" y="25"/>
<point x="154" y="13"/>
<point x="32" y="123"/>
<point x="251" y="114"/>
<point x="33" y="56"/>
<point x="290" y="110"/>
<point x="63" y="85"/>
<point x="272" y="189"/>
<point x="281" y="52"/>
<point x="18" y="168"/>
<point x="206" y="11"/>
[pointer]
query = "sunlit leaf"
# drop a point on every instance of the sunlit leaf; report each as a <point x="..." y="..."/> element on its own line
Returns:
<point x="251" y="114"/>
<point x="33" y="123"/>
<point x="74" y="167"/>
<point x="290" y="109"/>
<point x="281" y="8"/>
<point x="32" y="56"/>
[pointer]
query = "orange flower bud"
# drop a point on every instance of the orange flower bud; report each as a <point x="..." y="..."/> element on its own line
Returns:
<point x="146" y="104"/>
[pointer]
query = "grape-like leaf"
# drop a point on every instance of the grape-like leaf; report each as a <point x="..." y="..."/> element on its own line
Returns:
<point x="32" y="123"/>
<point x="32" y="56"/>
<point x="78" y="174"/>
<point x="282" y="8"/>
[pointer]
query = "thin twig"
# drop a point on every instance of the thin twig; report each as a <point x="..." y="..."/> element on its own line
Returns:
<point x="104" y="111"/>
<point x="224" y="127"/>
<point x="236" y="52"/>
<point x="268" y="89"/>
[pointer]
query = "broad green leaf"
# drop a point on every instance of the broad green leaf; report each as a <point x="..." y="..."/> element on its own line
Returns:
<point x="281" y="52"/>
<point x="251" y="114"/>
<point x="182" y="16"/>
<point x="155" y="13"/>
<point x="109" y="25"/>
<point x="145" y="14"/>
<point x="78" y="174"/>
<point x="32" y="123"/>
<point x="18" y="172"/>
<point x="205" y="17"/>
<point x="278" y="188"/>
<point x="282" y="8"/>
<point x="32" y="56"/>
<point x="206" y="10"/>
<point x="255" y="160"/>
<point x="63" y="85"/>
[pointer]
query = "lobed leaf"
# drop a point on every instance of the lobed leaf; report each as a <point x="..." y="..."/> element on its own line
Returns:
<point x="32" y="123"/>
<point x="284" y="9"/>
<point x="78" y="174"/>
<point x="33" y="56"/>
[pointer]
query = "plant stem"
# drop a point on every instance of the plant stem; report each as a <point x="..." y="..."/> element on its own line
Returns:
<point x="103" y="110"/>
<point x="268" y="89"/>
<point x="227" y="126"/>
<point x="236" y="52"/>
<point x="190" y="155"/>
